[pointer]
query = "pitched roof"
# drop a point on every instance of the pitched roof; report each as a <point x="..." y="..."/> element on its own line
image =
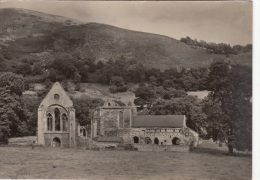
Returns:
<point x="109" y="139"/>
<point x="165" y="121"/>
<point x="62" y="97"/>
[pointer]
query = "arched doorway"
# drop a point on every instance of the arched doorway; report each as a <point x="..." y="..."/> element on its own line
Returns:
<point x="156" y="140"/>
<point x="136" y="139"/>
<point x="56" y="142"/>
<point x="176" y="141"/>
<point x="147" y="140"/>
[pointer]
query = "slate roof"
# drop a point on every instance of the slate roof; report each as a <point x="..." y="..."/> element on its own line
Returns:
<point x="164" y="121"/>
<point x="109" y="139"/>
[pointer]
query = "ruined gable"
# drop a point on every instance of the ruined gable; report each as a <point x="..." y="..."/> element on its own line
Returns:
<point x="56" y="119"/>
<point x="56" y="95"/>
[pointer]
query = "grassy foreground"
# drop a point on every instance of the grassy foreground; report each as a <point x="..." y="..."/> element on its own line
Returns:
<point x="61" y="163"/>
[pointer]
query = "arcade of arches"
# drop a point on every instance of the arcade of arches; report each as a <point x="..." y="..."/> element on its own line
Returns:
<point x="56" y="120"/>
<point x="148" y="140"/>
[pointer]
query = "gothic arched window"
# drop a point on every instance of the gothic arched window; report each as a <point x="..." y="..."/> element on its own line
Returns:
<point x="65" y="122"/>
<point x="49" y="122"/>
<point x="57" y="119"/>
<point x="121" y="119"/>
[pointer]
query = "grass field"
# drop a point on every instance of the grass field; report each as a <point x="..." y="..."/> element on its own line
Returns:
<point x="199" y="94"/>
<point x="60" y="163"/>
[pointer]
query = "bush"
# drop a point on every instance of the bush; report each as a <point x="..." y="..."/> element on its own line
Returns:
<point x="82" y="90"/>
<point x="3" y="139"/>
<point x="77" y="87"/>
<point x="115" y="89"/>
<point x="129" y="147"/>
<point x="8" y="56"/>
<point x="191" y="146"/>
<point x="118" y="84"/>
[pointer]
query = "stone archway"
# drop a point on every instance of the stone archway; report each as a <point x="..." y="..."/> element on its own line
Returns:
<point x="136" y="139"/>
<point x="56" y="142"/>
<point x="148" y="140"/>
<point x="156" y="140"/>
<point x="176" y="141"/>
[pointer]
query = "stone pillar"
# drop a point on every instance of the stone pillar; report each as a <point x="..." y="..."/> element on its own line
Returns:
<point x="130" y="117"/>
<point x="94" y="128"/>
<point x="41" y="126"/>
<point x="72" y="136"/>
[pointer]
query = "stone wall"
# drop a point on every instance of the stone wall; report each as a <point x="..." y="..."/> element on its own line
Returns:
<point x="105" y="144"/>
<point x="108" y="123"/>
<point x="64" y="138"/>
<point x="83" y="142"/>
<point x="164" y="137"/>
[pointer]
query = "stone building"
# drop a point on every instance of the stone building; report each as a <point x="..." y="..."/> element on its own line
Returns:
<point x="122" y="121"/>
<point x="56" y="119"/>
<point x="57" y="125"/>
<point x="110" y="119"/>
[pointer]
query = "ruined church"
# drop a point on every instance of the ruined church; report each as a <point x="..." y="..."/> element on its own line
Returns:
<point x="111" y="125"/>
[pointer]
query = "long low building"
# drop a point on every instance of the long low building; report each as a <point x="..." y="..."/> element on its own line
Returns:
<point x="122" y="121"/>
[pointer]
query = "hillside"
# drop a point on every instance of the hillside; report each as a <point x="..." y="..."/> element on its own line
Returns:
<point x="91" y="90"/>
<point x="39" y="36"/>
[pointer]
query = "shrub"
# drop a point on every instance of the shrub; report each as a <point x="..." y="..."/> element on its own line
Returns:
<point x="77" y="87"/>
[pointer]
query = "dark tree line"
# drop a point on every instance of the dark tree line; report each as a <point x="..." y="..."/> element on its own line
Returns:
<point x="217" y="48"/>
<point x="117" y="73"/>
<point x="225" y="115"/>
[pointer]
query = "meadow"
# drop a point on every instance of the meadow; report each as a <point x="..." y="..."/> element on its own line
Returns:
<point x="61" y="163"/>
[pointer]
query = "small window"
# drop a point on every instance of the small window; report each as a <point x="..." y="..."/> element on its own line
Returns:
<point x="56" y="96"/>
<point x="121" y="119"/>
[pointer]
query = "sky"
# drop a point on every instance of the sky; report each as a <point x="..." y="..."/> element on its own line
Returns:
<point x="226" y="22"/>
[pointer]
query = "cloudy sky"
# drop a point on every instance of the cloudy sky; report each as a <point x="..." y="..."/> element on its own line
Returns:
<point x="228" y="22"/>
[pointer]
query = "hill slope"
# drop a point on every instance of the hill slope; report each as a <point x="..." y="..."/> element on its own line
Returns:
<point x="25" y="33"/>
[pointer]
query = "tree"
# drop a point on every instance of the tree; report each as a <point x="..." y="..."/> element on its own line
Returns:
<point x="2" y="64"/>
<point x="219" y="70"/>
<point x="83" y="107"/>
<point x="145" y="95"/>
<point x="52" y="75"/>
<point x="118" y="84"/>
<point x="228" y="106"/>
<point x="173" y="93"/>
<point x="37" y="69"/>
<point x="77" y="77"/>
<point x="31" y="104"/>
<point x="12" y="82"/>
<point x="24" y="69"/>
<point x="100" y="65"/>
<point x="13" y="115"/>
<point x="189" y="106"/>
